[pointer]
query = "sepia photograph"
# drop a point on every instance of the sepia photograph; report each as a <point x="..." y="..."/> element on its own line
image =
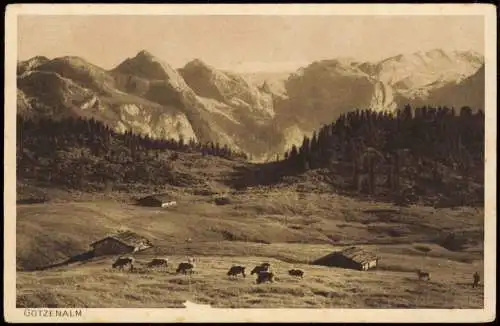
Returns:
<point x="295" y="159"/>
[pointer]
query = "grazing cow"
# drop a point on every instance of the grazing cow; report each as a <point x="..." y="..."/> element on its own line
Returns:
<point x="423" y="275"/>
<point x="265" y="276"/>
<point x="184" y="268"/>
<point x="296" y="272"/>
<point x="476" y="280"/>
<point x="235" y="270"/>
<point x="121" y="262"/>
<point x="158" y="262"/>
<point x="260" y="268"/>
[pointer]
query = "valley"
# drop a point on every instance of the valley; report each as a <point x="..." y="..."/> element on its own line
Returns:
<point x="309" y="162"/>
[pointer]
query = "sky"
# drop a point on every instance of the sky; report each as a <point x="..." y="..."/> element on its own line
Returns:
<point x="244" y="43"/>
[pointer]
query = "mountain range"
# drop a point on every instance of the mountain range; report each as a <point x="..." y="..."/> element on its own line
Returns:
<point x="262" y="114"/>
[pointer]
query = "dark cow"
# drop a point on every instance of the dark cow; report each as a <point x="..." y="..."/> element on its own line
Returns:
<point x="296" y="273"/>
<point x="157" y="262"/>
<point x="423" y="275"/>
<point x="235" y="270"/>
<point x="265" y="277"/>
<point x="123" y="261"/>
<point x="264" y="267"/>
<point x="184" y="268"/>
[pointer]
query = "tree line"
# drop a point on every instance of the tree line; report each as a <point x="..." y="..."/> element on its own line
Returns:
<point x="74" y="151"/>
<point x="410" y="144"/>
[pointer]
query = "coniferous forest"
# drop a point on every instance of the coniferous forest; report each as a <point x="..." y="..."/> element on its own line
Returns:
<point x="77" y="152"/>
<point x="415" y="152"/>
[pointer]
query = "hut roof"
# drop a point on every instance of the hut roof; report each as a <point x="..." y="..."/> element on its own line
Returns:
<point x="355" y="254"/>
<point x="159" y="197"/>
<point x="358" y="255"/>
<point x="129" y="238"/>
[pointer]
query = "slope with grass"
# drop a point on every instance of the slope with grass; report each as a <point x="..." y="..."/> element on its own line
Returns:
<point x="77" y="188"/>
<point x="96" y="285"/>
<point x="285" y="225"/>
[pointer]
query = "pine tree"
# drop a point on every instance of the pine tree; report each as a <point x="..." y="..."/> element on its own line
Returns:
<point x="293" y="152"/>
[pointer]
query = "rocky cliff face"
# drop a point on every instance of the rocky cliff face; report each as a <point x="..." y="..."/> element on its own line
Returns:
<point x="31" y="64"/>
<point x="226" y="87"/>
<point x="262" y="114"/>
<point x="70" y="86"/>
<point x="322" y="91"/>
<point x="463" y="92"/>
<point x="147" y="96"/>
<point x="415" y="75"/>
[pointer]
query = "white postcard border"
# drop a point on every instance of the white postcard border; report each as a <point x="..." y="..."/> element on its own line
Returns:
<point x="13" y="314"/>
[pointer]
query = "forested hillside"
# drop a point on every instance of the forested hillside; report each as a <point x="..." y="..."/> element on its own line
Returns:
<point x="85" y="154"/>
<point x="423" y="152"/>
<point x="430" y="154"/>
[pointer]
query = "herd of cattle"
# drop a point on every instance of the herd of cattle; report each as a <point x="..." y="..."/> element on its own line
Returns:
<point x="263" y="271"/>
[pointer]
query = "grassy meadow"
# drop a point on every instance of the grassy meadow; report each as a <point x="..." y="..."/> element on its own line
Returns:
<point x="286" y="225"/>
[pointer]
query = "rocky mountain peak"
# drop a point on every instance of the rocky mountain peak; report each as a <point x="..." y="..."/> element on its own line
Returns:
<point x="144" y="54"/>
<point x="197" y="64"/>
<point x="146" y="65"/>
<point x="31" y="64"/>
<point x="147" y="95"/>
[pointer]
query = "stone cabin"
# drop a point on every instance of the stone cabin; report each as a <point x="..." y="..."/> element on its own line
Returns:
<point x="157" y="201"/>
<point x="120" y="243"/>
<point x="351" y="258"/>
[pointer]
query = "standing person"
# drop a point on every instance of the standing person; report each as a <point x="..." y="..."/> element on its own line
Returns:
<point x="476" y="280"/>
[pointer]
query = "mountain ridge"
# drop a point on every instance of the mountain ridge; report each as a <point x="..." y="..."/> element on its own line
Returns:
<point x="246" y="112"/>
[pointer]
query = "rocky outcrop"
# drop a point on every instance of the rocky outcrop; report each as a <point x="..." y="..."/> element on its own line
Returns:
<point x="416" y="75"/>
<point x="467" y="92"/>
<point x="30" y="64"/>
<point x="70" y="86"/>
<point x="322" y="91"/>
<point x="227" y="88"/>
<point x="49" y="94"/>
<point x="270" y="82"/>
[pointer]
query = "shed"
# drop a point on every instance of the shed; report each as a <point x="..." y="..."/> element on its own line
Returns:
<point x="222" y="200"/>
<point x="351" y="257"/>
<point x="120" y="243"/>
<point x="157" y="201"/>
